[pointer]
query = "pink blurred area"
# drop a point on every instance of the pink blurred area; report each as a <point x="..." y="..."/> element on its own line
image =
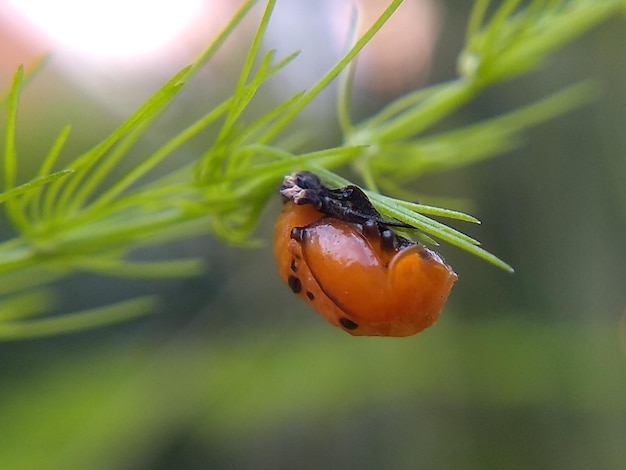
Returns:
<point x="101" y="49"/>
<point x="399" y="56"/>
<point x="105" y="53"/>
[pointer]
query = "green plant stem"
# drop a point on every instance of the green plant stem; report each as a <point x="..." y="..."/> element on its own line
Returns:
<point x="280" y="123"/>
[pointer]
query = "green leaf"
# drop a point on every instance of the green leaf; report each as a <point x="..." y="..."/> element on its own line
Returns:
<point x="10" y="155"/>
<point x="35" y="183"/>
<point x="78" y="321"/>
<point x="516" y="40"/>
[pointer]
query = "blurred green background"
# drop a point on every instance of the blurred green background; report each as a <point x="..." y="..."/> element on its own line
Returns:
<point x="522" y="371"/>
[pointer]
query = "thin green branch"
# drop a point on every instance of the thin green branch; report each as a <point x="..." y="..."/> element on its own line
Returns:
<point x="274" y="129"/>
<point x="79" y="321"/>
<point x="35" y="183"/>
<point x="25" y="304"/>
<point x="170" y="269"/>
<point x="10" y="156"/>
<point x="106" y="166"/>
<point x="34" y="199"/>
<point x="85" y="162"/>
<point x="402" y="104"/>
<point x="242" y="95"/>
<point x="476" y="18"/>
<point x="346" y="80"/>
<point x="216" y="43"/>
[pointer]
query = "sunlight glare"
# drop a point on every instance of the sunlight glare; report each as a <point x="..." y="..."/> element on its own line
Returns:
<point x="112" y="28"/>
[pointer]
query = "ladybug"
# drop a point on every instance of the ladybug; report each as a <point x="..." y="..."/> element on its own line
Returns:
<point x="336" y="252"/>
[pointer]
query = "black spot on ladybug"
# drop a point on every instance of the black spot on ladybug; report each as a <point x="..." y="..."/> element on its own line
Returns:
<point x="295" y="284"/>
<point x="297" y="234"/>
<point x="388" y="240"/>
<point x="348" y="324"/>
<point x="370" y="228"/>
<point x="293" y="266"/>
<point x="310" y="295"/>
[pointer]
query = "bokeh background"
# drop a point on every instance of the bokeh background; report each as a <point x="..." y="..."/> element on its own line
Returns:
<point x="522" y="371"/>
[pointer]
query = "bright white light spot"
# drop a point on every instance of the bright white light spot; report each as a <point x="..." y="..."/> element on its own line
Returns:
<point x="114" y="28"/>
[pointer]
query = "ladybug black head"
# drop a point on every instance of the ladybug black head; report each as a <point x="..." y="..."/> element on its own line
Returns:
<point x="303" y="187"/>
<point x="348" y="203"/>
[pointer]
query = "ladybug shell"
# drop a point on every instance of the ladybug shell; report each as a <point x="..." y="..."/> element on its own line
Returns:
<point x="351" y="280"/>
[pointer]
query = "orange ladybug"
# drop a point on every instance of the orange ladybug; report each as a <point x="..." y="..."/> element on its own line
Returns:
<point x="336" y="252"/>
